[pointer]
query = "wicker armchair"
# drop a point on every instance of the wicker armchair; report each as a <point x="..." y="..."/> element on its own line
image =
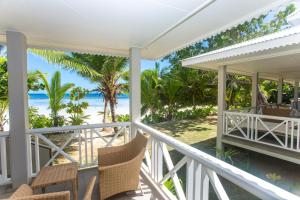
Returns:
<point x="24" y="192"/>
<point x="119" y="167"/>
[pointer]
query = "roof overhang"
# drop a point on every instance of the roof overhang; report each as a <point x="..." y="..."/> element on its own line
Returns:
<point x="158" y="27"/>
<point x="273" y="56"/>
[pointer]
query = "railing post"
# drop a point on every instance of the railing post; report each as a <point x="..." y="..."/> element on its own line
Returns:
<point x="3" y="158"/>
<point x="29" y="154"/>
<point x="298" y="135"/>
<point x="92" y="146"/>
<point x="37" y="154"/>
<point x="79" y="147"/>
<point x="156" y="161"/>
<point x="85" y="147"/>
<point x="205" y="184"/>
<point x="190" y="176"/>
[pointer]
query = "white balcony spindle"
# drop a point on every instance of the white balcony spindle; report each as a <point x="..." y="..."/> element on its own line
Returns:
<point x="298" y="135"/>
<point x="286" y="134"/>
<point x="3" y="159"/>
<point x="292" y="134"/>
<point x="79" y="148"/>
<point x="190" y="179"/>
<point x="29" y="163"/>
<point x="205" y="184"/>
<point x="92" y="146"/>
<point x="85" y="148"/>
<point x="197" y="181"/>
<point x="37" y="154"/>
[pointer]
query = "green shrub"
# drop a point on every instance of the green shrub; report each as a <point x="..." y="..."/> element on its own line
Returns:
<point x="186" y="113"/>
<point x="36" y="120"/>
<point x="169" y="184"/>
<point x="123" y="118"/>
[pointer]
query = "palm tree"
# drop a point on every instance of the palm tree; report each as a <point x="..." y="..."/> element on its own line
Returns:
<point x="55" y="92"/>
<point x="169" y="88"/>
<point x="110" y="73"/>
<point x="149" y="91"/>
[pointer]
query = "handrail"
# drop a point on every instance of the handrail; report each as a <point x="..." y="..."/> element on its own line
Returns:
<point x="252" y="184"/>
<point x="83" y="136"/>
<point x="73" y="128"/>
<point x="263" y="116"/>
<point x="4" y="133"/>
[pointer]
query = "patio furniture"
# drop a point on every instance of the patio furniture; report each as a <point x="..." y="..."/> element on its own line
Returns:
<point x="89" y="189"/>
<point x="276" y="112"/>
<point x="57" y="174"/>
<point x="119" y="167"/>
<point x="25" y="192"/>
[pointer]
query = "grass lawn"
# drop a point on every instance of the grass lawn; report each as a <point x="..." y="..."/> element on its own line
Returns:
<point x="201" y="134"/>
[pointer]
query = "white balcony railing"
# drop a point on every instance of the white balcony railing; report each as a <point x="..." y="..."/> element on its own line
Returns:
<point x="81" y="139"/>
<point x="282" y="132"/>
<point x="202" y="170"/>
<point x="4" y="179"/>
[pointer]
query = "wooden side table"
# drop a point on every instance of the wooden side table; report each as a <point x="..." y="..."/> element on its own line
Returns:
<point x="57" y="174"/>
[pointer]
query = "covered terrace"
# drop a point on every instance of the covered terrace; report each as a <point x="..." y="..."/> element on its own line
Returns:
<point x="135" y="29"/>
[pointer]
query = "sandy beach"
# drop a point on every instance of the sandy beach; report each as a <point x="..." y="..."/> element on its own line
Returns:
<point x="94" y="109"/>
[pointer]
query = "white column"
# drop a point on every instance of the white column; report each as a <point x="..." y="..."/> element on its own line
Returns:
<point x="254" y="91"/>
<point x="296" y="90"/>
<point x="279" y="91"/>
<point x="135" y="87"/>
<point x="221" y="104"/>
<point x="296" y="93"/>
<point x="17" y="91"/>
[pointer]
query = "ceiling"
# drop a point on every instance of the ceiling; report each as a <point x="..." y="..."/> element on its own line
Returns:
<point x="112" y="27"/>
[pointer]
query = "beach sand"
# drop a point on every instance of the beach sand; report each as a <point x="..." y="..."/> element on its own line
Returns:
<point x="94" y="109"/>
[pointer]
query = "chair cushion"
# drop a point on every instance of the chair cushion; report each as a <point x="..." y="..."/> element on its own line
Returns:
<point x="23" y="190"/>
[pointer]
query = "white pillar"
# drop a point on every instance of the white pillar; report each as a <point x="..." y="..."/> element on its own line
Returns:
<point x="254" y="91"/>
<point x="296" y="93"/>
<point x="279" y="91"/>
<point x="221" y="104"/>
<point x="135" y="87"/>
<point x="18" y="119"/>
<point x="296" y="90"/>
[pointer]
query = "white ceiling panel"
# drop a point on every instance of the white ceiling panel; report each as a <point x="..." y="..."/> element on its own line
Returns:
<point x="113" y="26"/>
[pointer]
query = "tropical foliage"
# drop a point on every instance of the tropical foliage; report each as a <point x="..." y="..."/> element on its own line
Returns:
<point x="76" y="106"/>
<point x="56" y="92"/>
<point x="178" y="87"/>
<point x="110" y="73"/>
<point x="37" y="120"/>
<point x="32" y="84"/>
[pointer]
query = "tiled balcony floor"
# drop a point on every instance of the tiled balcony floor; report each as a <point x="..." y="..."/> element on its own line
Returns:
<point x="83" y="177"/>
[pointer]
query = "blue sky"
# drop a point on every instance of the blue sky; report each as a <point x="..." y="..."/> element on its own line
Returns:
<point x="37" y="63"/>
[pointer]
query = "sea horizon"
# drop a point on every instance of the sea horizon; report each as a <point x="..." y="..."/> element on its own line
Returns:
<point x="94" y="110"/>
<point x="41" y="95"/>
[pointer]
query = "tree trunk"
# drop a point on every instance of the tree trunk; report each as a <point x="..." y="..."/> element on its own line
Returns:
<point x="194" y="101"/>
<point x="112" y="110"/>
<point x="105" y="111"/>
<point x="55" y="119"/>
<point x="113" y="113"/>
